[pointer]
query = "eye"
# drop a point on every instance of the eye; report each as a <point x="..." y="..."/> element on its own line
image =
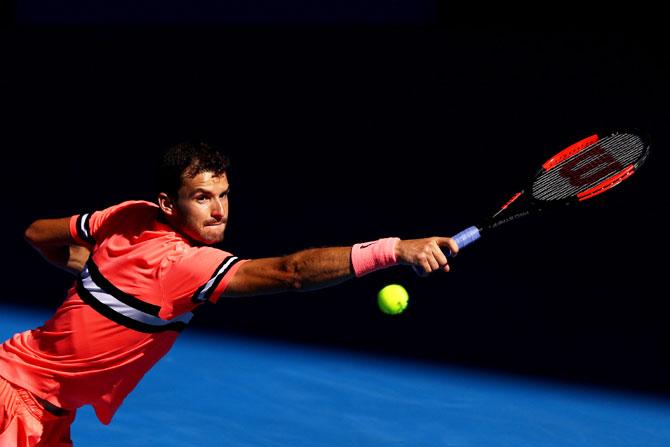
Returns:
<point x="200" y="199"/>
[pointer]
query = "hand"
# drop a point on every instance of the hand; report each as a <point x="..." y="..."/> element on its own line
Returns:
<point x="78" y="258"/>
<point x="426" y="255"/>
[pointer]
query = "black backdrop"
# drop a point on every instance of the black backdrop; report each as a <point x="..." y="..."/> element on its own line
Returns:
<point x="343" y="134"/>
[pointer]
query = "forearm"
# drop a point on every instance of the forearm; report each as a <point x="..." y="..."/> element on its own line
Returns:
<point x="51" y="238"/>
<point x="320" y="267"/>
<point x="305" y="270"/>
<point x="70" y="258"/>
<point x="317" y="268"/>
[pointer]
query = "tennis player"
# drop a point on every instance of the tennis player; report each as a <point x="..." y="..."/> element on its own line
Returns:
<point x="142" y="269"/>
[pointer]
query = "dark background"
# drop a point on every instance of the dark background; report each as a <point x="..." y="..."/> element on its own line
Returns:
<point x="349" y="123"/>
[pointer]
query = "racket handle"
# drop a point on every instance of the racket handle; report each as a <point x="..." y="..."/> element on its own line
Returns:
<point x="466" y="237"/>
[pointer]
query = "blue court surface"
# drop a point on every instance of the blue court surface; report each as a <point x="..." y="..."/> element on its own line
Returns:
<point x="213" y="389"/>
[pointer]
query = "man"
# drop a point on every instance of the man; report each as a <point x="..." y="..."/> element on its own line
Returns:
<point x="143" y="268"/>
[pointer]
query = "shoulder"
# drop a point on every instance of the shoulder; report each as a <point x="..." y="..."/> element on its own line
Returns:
<point x="200" y="261"/>
<point x="137" y="206"/>
<point x="201" y="273"/>
<point x="128" y="214"/>
<point x="193" y="265"/>
<point x="205" y="254"/>
<point x="130" y="209"/>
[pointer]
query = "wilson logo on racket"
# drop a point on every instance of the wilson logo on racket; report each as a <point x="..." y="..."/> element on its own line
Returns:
<point x="590" y="167"/>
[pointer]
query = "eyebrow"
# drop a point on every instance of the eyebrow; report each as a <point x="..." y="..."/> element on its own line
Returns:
<point x="206" y="191"/>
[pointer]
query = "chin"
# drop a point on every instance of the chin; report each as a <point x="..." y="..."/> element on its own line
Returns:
<point x="212" y="239"/>
<point x="216" y="241"/>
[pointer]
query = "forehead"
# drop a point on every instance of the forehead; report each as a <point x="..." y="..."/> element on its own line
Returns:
<point x="206" y="180"/>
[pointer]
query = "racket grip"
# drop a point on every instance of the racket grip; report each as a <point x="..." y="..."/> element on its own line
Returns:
<point x="466" y="237"/>
<point x="462" y="239"/>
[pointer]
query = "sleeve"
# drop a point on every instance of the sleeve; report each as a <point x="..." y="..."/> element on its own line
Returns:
<point x="200" y="275"/>
<point x="211" y="290"/>
<point x="80" y="230"/>
<point x="85" y="228"/>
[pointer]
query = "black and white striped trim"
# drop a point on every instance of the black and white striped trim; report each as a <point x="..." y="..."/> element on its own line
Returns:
<point x="205" y="291"/>
<point x="83" y="228"/>
<point x="122" y="308"/>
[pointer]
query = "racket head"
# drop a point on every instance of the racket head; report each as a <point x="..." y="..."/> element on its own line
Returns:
<point x="590" y="167"/>
<point x="581" y="171"/>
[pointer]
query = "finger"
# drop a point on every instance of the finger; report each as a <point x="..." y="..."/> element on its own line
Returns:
<point x="434" y="265"/>
<point x="449" y="243"/>
<point x="426" y="268"/>
<point x="439" y="255"/>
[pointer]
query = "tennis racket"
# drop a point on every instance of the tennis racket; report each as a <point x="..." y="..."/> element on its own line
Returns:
<point x="579" y="172"/>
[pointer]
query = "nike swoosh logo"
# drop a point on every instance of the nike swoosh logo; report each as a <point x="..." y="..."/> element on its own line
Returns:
<point x="367" y="245"/>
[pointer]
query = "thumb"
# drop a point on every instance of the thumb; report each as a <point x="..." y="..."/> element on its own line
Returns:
<point x="449" y="244"/>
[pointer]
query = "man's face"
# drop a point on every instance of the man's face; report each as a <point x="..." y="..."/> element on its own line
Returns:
<point x="201" y="210"/>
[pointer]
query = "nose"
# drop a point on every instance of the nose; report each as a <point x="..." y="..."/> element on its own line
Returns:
<point x="217" y="208"/>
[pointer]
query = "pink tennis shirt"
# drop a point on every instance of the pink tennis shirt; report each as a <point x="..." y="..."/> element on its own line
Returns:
<point x="124" y="312"/>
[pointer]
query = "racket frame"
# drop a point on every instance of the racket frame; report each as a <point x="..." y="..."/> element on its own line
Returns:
<point x="523" y="204"/>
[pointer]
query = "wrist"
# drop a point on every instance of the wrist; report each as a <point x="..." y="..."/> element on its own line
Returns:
<point x="368" y="257"/>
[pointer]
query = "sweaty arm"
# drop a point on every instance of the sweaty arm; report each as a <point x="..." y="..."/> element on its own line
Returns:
<point x="323" y="267"/>
<point x="52" y="239"/>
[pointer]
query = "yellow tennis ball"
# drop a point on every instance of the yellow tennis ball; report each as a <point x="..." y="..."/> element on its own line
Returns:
<point x="392" y="299"/>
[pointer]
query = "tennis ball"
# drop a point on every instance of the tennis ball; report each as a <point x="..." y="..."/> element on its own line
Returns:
<point x="392" y="299"/>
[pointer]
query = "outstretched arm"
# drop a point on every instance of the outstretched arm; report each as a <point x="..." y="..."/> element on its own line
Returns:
<point x="51" y="238"/>
<point x="322" y="267"/>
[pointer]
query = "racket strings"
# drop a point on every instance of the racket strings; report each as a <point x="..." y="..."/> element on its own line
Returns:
<point x="618" y="150"/>
<point x="600" y="163"/>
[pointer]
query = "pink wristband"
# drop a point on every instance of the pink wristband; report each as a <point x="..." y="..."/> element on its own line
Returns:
<point x="370" y="256"/>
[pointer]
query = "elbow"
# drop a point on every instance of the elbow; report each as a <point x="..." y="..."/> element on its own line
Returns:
<point x="293" y="278"/>
<point x="32" y="234"/>
<point x="39" y="234"/>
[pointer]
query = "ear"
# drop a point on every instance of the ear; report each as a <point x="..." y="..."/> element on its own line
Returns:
<point x="166" y="204"/>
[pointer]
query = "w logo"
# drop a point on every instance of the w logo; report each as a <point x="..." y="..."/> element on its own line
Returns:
<point x="590" y="166"/>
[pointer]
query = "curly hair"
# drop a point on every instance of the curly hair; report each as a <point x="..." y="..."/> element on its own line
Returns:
<point x="188" y="159"/>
